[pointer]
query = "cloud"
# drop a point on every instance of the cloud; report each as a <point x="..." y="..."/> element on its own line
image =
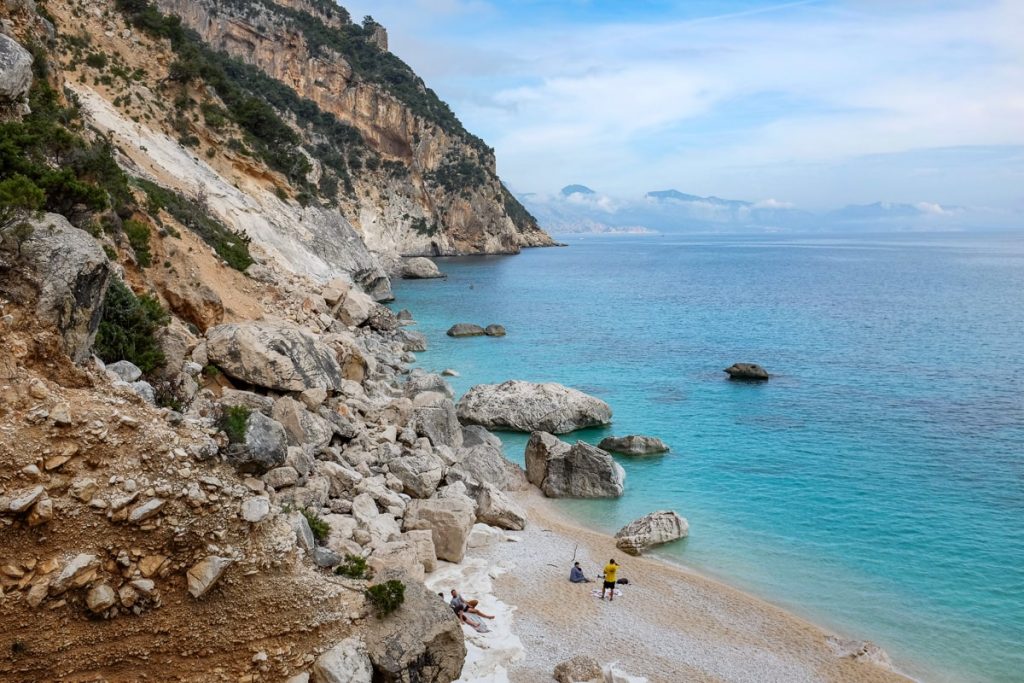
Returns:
<point x="749" y="103"/>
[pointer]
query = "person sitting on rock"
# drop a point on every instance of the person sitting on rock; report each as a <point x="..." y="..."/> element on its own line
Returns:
<point x="460" y="605"/>
<point x="576" y="574"/>
<point x="610" y="571"/>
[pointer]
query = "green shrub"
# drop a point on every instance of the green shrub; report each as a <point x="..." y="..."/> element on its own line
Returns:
<point x="19" y="198"/>
<point x="386" y="597"/>
<point x="354" y="567"/>
<point x="137" y="233"/>
<point x="211" y="370"/>
<point x="231" y="246"/>
<point x="96" y="60"/>
<point x="321" y="529"/>
<point x="233" y="421"/>
<point x="128" y="326"/>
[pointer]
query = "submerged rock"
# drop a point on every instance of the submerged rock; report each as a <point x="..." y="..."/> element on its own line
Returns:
<point x="465" y="330"/>
<point x="633" y="444"/>
<point x="748" y="371"/>
<point x="650" y="530"/>
<point x="529" y="407"/>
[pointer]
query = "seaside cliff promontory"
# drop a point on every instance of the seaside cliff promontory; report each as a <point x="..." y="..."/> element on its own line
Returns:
<point x="216" y="463"/>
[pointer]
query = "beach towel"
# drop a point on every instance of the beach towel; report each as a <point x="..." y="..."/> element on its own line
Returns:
<point x="596" y="592"/>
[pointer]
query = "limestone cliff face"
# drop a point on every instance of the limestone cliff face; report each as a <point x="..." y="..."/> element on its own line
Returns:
<point x="447" y="199"/>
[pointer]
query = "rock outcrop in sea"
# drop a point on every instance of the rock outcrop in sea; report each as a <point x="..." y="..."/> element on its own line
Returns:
<point x="528" y="407"/>
<point x="633" y="445"/>
<point x="747" y="371"/>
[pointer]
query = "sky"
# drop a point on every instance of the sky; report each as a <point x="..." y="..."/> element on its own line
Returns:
<point x="814" y="103"/>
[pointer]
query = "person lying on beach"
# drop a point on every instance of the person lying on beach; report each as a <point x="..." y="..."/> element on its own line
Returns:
<point x="471" y="620"/>
<point x="576" y="574"/>
<point x="460" y="604"/>
<point x="610" y="570"/>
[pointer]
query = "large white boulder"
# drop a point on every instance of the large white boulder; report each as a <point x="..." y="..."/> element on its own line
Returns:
<point x="497" y="509"/>
<point x="346" y="662"/>
<point x="578" y="471"/>
<point x="528" y="407"/>
<point x="449" y="519"/>
<point x="274" y="355"/>
<point x="652" y="529"/>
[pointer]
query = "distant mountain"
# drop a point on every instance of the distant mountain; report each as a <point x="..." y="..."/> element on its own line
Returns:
<point x="579" y="209"/>
<point x="576" y="189"/>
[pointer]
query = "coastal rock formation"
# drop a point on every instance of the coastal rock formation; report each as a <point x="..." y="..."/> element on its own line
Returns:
<point x="495" y="330"/>
<point x="528" y="407"/>
<point x="420" y="268"/>
<point x="633" y="445"/>
<point x="449" y="520"/>
<point x="578" y="471"/>
<point x="69" y="274"/>
<point x="465" y="330"/>
<point x="273" y="355"/>
<point x="422" y="641"/>
<point x="15" y="77"/>
<point x="652" y="529"/>
<point x="747" y="371"/>
<point x="486" y="464"/>
<point x="497" y="509"/>
<point x="346" y="662"/>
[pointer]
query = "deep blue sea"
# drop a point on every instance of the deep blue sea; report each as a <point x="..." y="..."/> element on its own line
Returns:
<point x="875" y="485"/>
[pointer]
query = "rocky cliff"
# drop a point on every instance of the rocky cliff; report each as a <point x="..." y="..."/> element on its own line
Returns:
<point x="436" y="190"/>
<point x="215" y="461"/>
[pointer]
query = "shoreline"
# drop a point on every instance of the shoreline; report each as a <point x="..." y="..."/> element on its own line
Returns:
<point x="670" y="624"/>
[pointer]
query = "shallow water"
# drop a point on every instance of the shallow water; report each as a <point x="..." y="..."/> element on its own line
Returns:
<point x="875" y="484"/>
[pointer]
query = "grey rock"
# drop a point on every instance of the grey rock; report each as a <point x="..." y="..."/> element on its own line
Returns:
<point x="495" y="330"/>
<point x="145" y="391"/>
<point x="266" y="445"/>
<point x="465" y="330"/>
<point x="203" y="575"/>
<point x="420" y="268"/>
<point x="485" y="464"/>
<point x="541" y="448"/>
<point x="325" y="557"/>
<point x="125" y="370"/>
<point x="346" y="662"/>
<point x="419" y="473"/>
<point x="475" y="435"/>
<point x="747" y="371"/>
<point x="140" y="513"/>
<point x="234" y="398"/>
<point x="342" y="480"/>
<point x="302" y="426"/>
<point x="281" y="477"/>
<point x="652" y="529"/>
<point x="497" y="509"/>
<point x="579" y="471"/>
<point x="413" y="341"/>
<point x="422" y="642"/>
<point x="255" y="510"/>
<point x="277" y="356"/>
<point x="70" y="273"/>
<point x="434" y="416"/>
<point x="419" y="382"/>
<point x="15" y="77"/>
<point x="75" y="573"/>
<point x="21" y="500"/>
<point x="633" y="444"/>
<point x="449" y="519"/>
<point x="528" y="407"/>
<point x="303" y="534"/>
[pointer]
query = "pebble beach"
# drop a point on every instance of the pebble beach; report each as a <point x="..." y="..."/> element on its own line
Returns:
<point x="669" y="624"/>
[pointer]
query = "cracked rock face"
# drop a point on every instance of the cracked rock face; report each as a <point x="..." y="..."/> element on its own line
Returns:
<point x="15" y="78"/>
<point x="278" y="356"/>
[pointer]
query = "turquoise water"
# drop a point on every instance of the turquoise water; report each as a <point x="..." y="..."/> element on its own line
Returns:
<point x="875" y="484"/>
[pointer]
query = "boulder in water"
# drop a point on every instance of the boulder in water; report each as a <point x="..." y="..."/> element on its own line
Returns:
<point x="652" y="529"/>
<point x="633" y="444"/>
<point x="529" y="407"/>
<point x="747" y="371"/>
<point x="465" y="330"/>
<point x="420" y="268"/>
<point x="495" y="330"/>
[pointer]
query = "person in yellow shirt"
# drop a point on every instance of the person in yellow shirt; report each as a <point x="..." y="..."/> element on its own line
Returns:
<point x="610" y="571"/>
